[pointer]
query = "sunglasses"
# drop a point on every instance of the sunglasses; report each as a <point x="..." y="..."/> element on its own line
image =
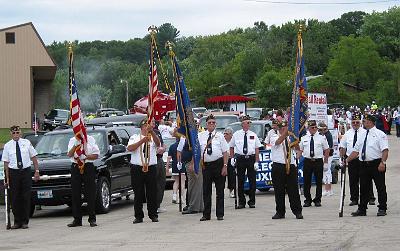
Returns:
<point x="16" y="132"/>
<point x="313" y="127"/>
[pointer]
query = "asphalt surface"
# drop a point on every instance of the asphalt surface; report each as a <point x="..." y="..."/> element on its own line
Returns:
<point x="245" y="229"/>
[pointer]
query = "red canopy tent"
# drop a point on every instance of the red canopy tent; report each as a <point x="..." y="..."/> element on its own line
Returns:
<point x="229" y="99"/>
<point x="162" y="104"/>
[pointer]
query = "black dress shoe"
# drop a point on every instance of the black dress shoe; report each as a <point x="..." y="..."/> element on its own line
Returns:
<point x="252" y="206"/>
<point x="220" y="218"/>
<point x="92" y="223"/>
<point x="24" y="226"/>
<point x="278" y="216"/>
<point x="190" y="212"/>
<point x="358" y="213"/>
<point x="136" y="220"/>
<point x="16" y="226"/>
<point x="75" y="224"/>
<point x="307" y="204"/>
<point x="240" y="206"/>
<point x="353" y="203"/>
<point x="185" y="208"/>
<point x="154" y="219"/>
<point x="381" y="212"/>
<point x="299" y="216"/>
<point x="204" y="218"/>
<point x="317" y="204"/>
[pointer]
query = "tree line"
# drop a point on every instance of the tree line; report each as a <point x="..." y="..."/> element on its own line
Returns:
<point x="356" y="58"/>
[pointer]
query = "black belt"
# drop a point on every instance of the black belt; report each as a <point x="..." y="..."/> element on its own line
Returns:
<point x="213" y="162"/>
<point x="370" y="162"/>
<point x="314" y="160"/>
<point x="241" y="157"/>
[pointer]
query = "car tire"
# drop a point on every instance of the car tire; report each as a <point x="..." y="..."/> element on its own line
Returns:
<point x="103" y="196"/>
<point x="263" y="189"/>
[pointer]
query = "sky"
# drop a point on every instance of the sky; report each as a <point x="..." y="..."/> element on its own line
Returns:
<point x="88" y="20"/>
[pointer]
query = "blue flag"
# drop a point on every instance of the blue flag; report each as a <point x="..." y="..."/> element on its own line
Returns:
<point x="298" y="110"/>
<point x="187" y="125"/>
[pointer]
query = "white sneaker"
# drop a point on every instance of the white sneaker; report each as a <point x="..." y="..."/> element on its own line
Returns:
<point x="232" y="194"/>
<point x="174" y="198"/>
<point x="330" y="193"/>
<point x="325" y="193"/>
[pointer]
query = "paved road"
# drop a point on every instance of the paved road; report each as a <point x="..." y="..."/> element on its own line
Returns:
<point x="246" y="229"/>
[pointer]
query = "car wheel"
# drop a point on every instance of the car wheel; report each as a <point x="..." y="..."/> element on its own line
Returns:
<point x="263" y="189"/>
<point x="103" y="196"/>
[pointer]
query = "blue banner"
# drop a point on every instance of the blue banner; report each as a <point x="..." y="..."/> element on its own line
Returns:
<point x="187" y="125"/>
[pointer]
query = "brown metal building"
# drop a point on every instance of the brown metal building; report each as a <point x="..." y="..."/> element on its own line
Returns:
<point x="26" y="75"/>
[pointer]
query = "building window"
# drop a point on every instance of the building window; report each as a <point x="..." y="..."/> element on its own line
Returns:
<point x="10" y="37"/>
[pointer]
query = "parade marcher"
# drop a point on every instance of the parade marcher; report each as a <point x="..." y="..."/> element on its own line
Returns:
<point x="327" y="175"/>
<point x="272" y="132"/>
<point x="228" y="133"/>
<point x="88" y="178"/>
<point x="396" y="117"/>
<point x="18" y="154"/>
<point x="142" y="158"/>
<point x="194" y="192"/>
<point x="244" y="146"/>
<point x="214" y="156"/>
<point x="282" y="181"/>
<point x="315" y="150"/>
<point x="372" y="149"/>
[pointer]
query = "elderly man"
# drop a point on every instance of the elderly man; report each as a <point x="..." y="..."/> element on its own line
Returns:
<point x="228" y="133"/>
<point x="244" y="146"/>
<point x="215" y="164"/>
<point x="372" y="149"/>
<point x="18" y="154"/>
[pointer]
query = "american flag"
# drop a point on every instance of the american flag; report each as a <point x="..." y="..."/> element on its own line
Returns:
<point x="76" y="119"/>
<point x="153" y="79"/>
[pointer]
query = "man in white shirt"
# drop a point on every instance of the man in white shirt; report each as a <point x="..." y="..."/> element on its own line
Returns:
<point x="315" y="150"/>
<point x="214" y="156"/>
<point x="18" y="154"/>
<point x="244" y="146"/>
<point x="272" y="132"/>
<point x="88" y="178"/>
<point x="283" y="182"/>
<point x="372" y="149"/>
<point x="143" y="170"/>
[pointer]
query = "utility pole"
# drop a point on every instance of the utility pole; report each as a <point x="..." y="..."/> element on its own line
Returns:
<point x="127" y="95"/>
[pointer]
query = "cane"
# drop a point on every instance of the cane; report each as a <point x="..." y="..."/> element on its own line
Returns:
<point x="180" y="190"/>
<point x="236" y="184"/>
<point x="8" y="221"/>
<point x="342" y="185"/>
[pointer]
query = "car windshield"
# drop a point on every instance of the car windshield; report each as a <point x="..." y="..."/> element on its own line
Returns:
<point x="222" y="121"/>
<point x="34" y="139"/>
<point x="57" y="113"/>
<point x="57" y="144"/>
<point x="256" y="128"/>
<point x="254" y="113"/>
<point x="199" y="110"/>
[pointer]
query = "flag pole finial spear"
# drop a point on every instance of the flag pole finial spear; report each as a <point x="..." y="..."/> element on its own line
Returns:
<point x="152" y="29"/>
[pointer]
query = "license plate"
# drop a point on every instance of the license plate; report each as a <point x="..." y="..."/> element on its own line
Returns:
<point x="45" y="194"/>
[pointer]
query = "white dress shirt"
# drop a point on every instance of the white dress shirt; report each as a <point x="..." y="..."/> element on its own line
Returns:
<point x="237" y="142"/>
<point x="92" y="148"/>
<point x="218" y="144"/>
<point x="376" y="142"/>
<point x="270" y="133"/>
<point x="347" y="139"/>
<point x="278" y="152"/>
<point x="10" y="153"/>
<point x="320" y="144"/>
<point x="138" y="155"/>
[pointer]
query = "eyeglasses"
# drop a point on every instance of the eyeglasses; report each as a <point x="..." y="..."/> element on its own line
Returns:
<point x="247" y="122"/>
<point x="211" y="122"/>
<point x="355" y="122"/>
<point x="16" y="132"/>
<point x="313" y="127"/>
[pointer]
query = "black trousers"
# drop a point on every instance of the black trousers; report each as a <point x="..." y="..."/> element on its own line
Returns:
<point x="144" y="181"/>
<point x="244" y="165"/>
<point x="311" y="167"/>
<point x="397" y="130"/>
<point x="368" y="172"/>
<point x="231" y="176"/>
<point x="354" y="181"/>
<point x="212" y="173"/>
<point x="88" y="179"/>
<point x="20" y="194"/>
<point x="160" y="180"/>
<point x="285" y="183"/>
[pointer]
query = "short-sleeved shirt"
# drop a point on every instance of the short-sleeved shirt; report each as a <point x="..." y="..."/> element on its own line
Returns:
<point x="138" y="155"/>
<point x="376" y="142"/>
<point x="270" y="134"/>
<point x="278" y="152"/>
<point x="10" y="153"/>
<point x="347" y="139"/>
<point x="92" y="148"/>
<point x="218" y="145"/>
<point x="320" y="144"/>
<point x="237" y="142"/>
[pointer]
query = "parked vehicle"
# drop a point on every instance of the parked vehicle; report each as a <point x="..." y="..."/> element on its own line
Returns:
<point x="33" y="137"/>
<point x="222" y="121"/>
<point x="113" y="178"/>
<point x="254" y="113"/>
<point x="102" y="111"/>
<point x="134" y="119"/>
<point x="260" y="127"/>
<point x="55" y="118"/>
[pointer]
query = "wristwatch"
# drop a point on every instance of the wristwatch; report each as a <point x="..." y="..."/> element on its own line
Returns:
<point x="384" y="162"/>
<point x="225" y="164"/>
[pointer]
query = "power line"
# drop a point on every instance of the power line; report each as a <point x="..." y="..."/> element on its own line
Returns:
<point x="320" y="3"/>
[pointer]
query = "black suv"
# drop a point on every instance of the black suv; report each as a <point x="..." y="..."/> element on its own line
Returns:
<point x="113" y="171"/>
<point x="55" y="118"/>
